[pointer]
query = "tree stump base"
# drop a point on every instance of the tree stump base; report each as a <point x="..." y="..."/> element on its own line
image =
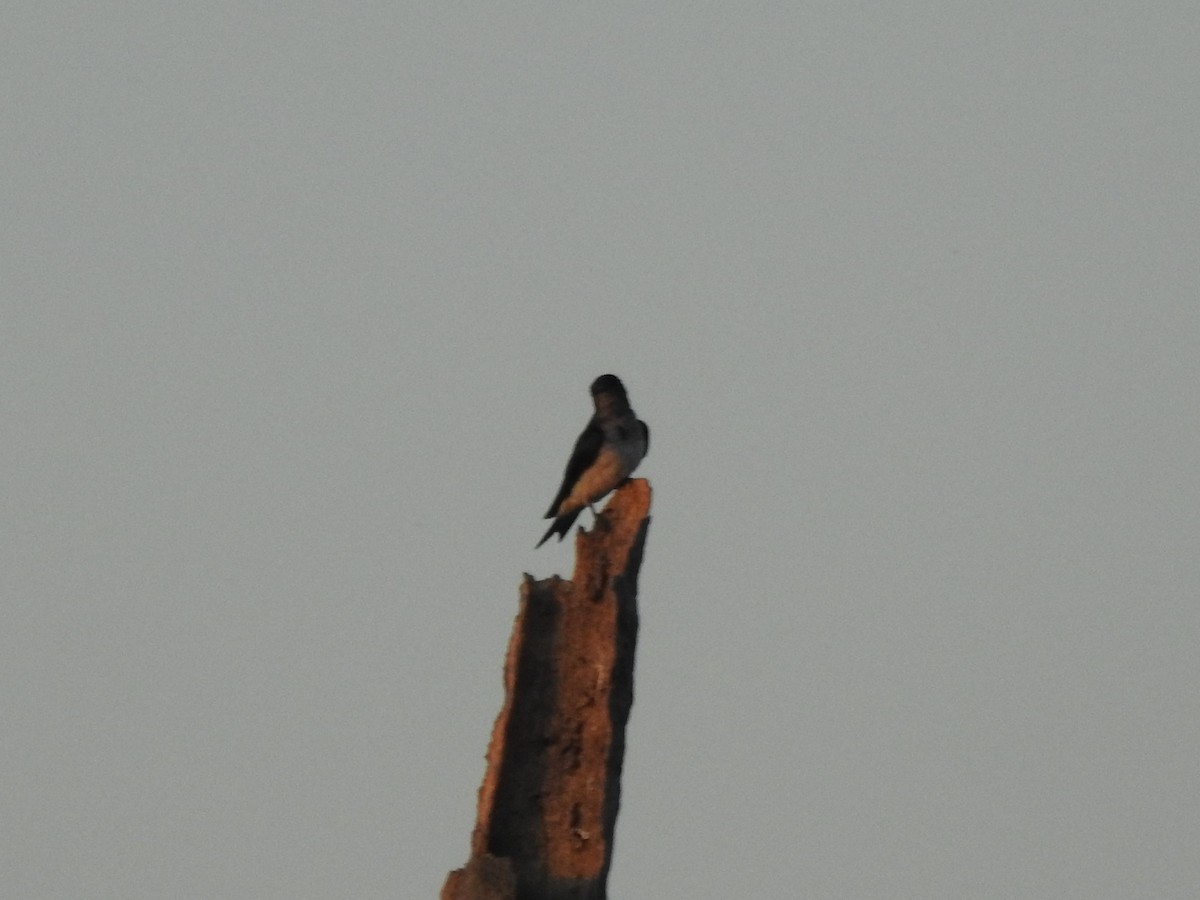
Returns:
<point x="549" y="800"/>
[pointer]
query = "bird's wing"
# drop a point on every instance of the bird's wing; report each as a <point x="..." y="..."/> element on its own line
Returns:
<point x="587" y="448"/>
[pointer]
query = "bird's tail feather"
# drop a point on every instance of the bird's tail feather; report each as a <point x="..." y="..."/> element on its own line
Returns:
<point x="560" y="526"/>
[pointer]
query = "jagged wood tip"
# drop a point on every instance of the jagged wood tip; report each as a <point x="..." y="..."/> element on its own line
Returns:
<point x="549" y="799"/>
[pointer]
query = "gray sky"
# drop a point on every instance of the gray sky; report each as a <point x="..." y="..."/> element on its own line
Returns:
<point x="300" y="307"/>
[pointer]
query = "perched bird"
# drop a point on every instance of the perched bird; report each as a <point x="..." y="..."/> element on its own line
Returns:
<point x="611" y="446"/>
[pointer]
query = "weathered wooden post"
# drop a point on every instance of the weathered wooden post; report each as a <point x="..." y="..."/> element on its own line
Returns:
<point x="549" y="800"/>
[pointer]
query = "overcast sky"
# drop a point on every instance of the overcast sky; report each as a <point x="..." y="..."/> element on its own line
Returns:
<point x="301" y="304"/>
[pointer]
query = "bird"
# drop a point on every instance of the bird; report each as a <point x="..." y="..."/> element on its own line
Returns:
<point x="606" y="453"/>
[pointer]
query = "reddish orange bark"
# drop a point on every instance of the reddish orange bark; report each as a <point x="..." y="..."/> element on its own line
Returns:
<point x="548" y="803"/>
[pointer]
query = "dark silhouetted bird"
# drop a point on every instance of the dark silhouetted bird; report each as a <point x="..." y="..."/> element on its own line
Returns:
<point x="611" y="446"/>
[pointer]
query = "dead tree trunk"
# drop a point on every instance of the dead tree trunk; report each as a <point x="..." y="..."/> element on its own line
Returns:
<point x="548" y="803"/>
